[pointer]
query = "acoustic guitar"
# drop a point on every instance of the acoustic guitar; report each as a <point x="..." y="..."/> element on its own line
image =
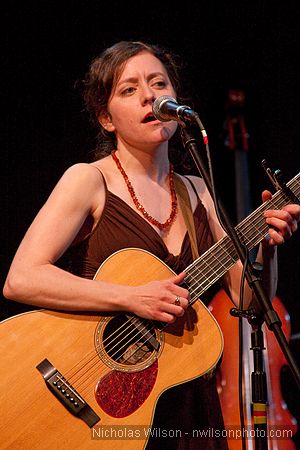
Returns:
<point x="69" y="380"/>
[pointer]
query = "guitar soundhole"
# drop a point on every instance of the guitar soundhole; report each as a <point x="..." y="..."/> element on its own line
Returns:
<point x="130" y="345"/>
<point x="127" y="343"/>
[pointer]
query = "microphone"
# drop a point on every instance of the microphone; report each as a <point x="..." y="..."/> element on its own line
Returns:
<point x="166" y="108"/>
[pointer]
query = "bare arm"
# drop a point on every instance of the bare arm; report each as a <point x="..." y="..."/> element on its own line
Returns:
<point x="34" y="279"/>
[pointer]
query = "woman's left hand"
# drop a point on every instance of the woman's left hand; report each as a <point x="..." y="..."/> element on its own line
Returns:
<point x="282" y="222"/>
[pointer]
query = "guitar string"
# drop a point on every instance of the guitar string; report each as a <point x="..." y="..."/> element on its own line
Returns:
<point x="103" y="354"/>
<point x="94" y="356"/>
<point x="220" y="245"/>
<point x="122" y="348"/>
<point x="92" y="351"/>
<point x="255" y="233"/>
<point x="106" y="369"/>
<point x="252" y="230"/>
<point x="221" y="249"/>
<point x="147" y="330"/>
<point x="224" y="248"/>
<point x="279" y="199"/>
<point x="195" y="265"/>
<point x="199" y="286"/>
<point x="90" y="395"/>
<point x="213" y="268"/>
<point x="207" y="279"/>
<point x="95" y="366"/>
<point x="132" y="321"/>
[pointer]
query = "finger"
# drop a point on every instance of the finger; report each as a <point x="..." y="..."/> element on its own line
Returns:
<point x="180" y="301"/>
<point x="175" y="310"/>
<point x="182" y="293"/>
<point x="280" y="226"/>
<point x="275" y="237"/>
<point x="280" y="214"/>
<point x="294" y="226"/>
<point x="266" y="195"/>
<point x="289" y="213"/>
<point x="178" y="279"/>
<point x="293" y="210"/>
<point x="167" y="318"/>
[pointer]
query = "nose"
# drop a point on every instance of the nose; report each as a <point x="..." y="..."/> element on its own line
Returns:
<point x="148" y="95"/>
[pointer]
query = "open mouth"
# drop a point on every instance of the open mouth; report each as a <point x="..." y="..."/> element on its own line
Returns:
<point x="149" y="118"/>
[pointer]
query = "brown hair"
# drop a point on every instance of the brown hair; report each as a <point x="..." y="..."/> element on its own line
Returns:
<point x="103" y="75"/>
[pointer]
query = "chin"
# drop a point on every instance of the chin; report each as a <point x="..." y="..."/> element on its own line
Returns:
<point x="166" y="133"/>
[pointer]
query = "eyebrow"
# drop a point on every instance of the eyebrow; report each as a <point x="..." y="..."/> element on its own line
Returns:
<point x="134" y="79"/>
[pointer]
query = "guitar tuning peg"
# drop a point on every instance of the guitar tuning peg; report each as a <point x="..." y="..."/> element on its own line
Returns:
<point x="272" y="177"/>
<point x="278" y="182"/>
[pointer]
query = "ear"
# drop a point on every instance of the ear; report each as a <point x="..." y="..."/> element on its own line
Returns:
<point x="106" y="122"/>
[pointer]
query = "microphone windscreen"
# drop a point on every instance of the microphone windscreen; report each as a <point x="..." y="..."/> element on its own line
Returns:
<point x="158" y="103"/>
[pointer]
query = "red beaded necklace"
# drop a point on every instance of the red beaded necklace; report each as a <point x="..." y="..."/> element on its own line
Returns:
<point x="169" y="221"/>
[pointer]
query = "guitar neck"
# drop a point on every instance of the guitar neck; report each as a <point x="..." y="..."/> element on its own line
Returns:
<point x="216" y="261"/>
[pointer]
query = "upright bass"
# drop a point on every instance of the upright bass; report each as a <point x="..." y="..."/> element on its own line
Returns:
<point x="282" y="425"/>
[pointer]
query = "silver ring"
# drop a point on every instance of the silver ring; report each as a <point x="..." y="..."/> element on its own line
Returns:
<point x="177" y="300"/>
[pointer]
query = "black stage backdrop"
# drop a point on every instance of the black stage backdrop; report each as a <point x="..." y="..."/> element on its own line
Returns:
<point x="46" y="47"/>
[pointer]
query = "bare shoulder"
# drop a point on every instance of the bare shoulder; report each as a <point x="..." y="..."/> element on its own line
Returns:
<point x="208" y="203"/>
<point x="81" y="186"/>
<point x="198" y="183"/>
<point x="201" y="189"/>
<point x="81" y="176"/>
<point x="83" y="172"/>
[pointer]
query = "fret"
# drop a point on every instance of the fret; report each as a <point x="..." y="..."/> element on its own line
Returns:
<point x="216" y="261"/>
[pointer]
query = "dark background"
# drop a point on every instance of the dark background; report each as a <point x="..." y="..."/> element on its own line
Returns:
<point x="47" y="46"/>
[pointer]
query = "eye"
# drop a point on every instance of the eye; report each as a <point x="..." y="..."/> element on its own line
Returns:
<point x="160" y="84"/>
<point x="128" y="91"/>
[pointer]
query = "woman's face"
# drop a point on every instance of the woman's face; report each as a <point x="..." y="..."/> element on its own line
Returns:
<point x="143" y="79"/>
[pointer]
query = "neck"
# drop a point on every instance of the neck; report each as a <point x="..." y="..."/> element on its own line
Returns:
<point x="140" y="207"/>
<point x="153" y="164"/>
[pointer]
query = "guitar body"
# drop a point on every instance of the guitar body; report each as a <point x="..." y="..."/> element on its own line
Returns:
<point x="122" y="391"/>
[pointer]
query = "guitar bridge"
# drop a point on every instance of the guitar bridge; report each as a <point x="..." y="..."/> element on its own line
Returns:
<point x="66" y="394"/>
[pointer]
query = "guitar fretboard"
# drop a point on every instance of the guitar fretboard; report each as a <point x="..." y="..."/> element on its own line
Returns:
<point x="216" y="261"/>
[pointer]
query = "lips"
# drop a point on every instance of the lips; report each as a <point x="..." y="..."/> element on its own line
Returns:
<point x="149" y="118"/>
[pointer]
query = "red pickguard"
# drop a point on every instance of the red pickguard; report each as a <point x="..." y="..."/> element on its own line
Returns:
<point x="119" y="394"/>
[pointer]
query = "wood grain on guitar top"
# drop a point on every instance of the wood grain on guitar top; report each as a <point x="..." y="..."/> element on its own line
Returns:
<point x="33" y="418"/>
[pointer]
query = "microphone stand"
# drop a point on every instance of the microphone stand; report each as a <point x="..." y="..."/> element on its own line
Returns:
<point x="262" y="307"/>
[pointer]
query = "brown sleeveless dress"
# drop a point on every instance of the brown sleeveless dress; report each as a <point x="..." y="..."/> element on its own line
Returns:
<point x="193" y="405"/>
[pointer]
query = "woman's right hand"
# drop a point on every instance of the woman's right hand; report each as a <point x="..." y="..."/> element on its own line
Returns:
<point x="159" y="300"/>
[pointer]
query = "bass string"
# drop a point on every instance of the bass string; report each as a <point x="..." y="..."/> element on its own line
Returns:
<point x="212" y="267"/>
<point x="219" y="262"/>
<point x="83" y="377"/>
<point x="130" y="321"/>
<point x="215" y="255"/>
<point x="91" y="355"/>
<point x="85" y="383"/>
<point x="103" y="355"/>
<point x="89" y="373"/>
<point x="221" y="249"/>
